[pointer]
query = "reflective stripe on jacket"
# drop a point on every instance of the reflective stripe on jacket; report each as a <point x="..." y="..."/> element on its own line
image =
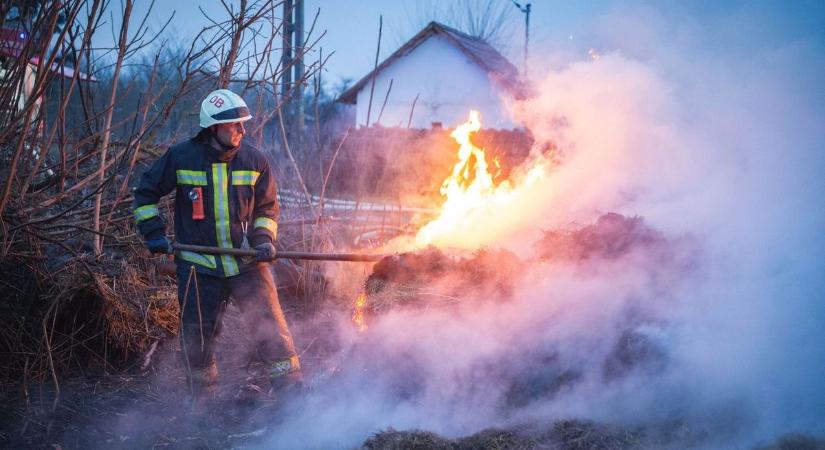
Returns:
<point x="237" y="187"/>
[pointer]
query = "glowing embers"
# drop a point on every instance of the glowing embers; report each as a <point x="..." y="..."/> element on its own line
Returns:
<point x="474" y="206"/>
<point x="358" y="316"/>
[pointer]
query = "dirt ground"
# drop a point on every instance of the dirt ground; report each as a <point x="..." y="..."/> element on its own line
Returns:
<point x="151" y="409"/>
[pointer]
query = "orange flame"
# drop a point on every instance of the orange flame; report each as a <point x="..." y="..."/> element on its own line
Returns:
<point x="358" y="316"/>
<point x="474" y="208"/>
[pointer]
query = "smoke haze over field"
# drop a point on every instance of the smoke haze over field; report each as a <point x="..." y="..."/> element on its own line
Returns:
<point x="705" y="134"/>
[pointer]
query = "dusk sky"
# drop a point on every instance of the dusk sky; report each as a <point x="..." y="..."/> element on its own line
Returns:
<point x="555" y="26"/>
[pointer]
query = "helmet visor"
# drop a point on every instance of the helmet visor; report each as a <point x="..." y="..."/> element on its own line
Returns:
<point x="234" y="113"/>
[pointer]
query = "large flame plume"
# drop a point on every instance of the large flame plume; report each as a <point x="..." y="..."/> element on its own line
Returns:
<point x="475" y="207"/>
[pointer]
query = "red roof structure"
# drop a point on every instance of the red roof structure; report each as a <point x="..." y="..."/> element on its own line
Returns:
<point x="12" y="41"/>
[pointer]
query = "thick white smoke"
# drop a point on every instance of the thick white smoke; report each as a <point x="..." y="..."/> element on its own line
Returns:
<point x="719" y="142"/>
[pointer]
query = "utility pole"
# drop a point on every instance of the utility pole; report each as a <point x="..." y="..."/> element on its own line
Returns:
<point x="298" y="64"/>
<point x="526" y="10"/>
<point x="286" y="53"/>
<point x="292" y="69"/>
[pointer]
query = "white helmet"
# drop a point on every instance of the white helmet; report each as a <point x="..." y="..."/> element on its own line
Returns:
<point x="223" y="106"/>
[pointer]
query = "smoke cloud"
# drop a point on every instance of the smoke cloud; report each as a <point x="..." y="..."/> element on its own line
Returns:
<point x="715" y="139"/>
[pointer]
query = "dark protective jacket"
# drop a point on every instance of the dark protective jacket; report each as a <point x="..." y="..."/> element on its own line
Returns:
<point x="239" y="197"/>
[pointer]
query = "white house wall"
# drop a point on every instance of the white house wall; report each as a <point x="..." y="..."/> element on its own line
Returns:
<point x="449" y="84"/>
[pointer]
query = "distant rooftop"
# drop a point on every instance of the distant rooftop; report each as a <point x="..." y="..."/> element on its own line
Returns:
<point x="501" y="70"/>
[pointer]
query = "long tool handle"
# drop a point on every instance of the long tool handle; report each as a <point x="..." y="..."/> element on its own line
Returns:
<point x="280" y="255"/>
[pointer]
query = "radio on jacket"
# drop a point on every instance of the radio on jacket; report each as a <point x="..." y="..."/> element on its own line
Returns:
<point x="196" y="195"/>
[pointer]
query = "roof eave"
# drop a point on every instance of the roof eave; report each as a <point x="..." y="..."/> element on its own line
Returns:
<point x="515" y="88"/>
<point x="351" y="95"/>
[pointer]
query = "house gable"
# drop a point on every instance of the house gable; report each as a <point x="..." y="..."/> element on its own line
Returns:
<point x="444" y="73"/>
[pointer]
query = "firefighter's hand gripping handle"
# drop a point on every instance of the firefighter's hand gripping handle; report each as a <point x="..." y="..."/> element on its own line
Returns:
<point x="353" y="257"/>
<point x="266" y="252"/>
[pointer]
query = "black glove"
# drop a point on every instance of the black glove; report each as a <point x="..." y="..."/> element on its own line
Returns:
<point x="159" y="245"/>
<point x="266" y="252"/>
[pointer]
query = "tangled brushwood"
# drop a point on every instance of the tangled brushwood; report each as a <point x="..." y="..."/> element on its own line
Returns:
<point x="81" y="315"/>
<point x="78" y="296"/>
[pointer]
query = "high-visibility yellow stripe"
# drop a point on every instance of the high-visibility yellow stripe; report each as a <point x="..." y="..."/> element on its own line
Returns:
<point x="269" y="224"/>
<point x="146" y="212"/>
<point x="245" y="177"/>
<point x="197" y="258"/>
<point x="193" y="177"/>
<point x="220" y="185"/>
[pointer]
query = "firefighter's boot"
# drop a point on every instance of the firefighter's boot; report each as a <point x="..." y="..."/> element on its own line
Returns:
<point x="286" y="373"/>
<point x="204" y="383"/>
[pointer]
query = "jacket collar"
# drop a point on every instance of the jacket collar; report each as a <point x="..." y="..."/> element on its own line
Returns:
<point x="212" y="153"/>
<point x="225" y="156"/>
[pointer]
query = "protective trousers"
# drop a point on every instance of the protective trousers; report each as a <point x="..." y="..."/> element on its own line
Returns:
<point x="203" y="300"/>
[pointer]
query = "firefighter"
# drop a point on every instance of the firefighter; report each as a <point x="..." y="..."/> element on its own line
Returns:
<point x="224" y="197"/>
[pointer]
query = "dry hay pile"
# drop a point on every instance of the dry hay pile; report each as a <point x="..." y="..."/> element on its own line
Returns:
<point x="563" y="435"/>
<point x="430" y="277"/>
<point x="136" y="311"/>
<point x="66" y="314"/>
<point x="575" y="435"/>
<point x="611" y="237"/>
<point x="795" y="441"/>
